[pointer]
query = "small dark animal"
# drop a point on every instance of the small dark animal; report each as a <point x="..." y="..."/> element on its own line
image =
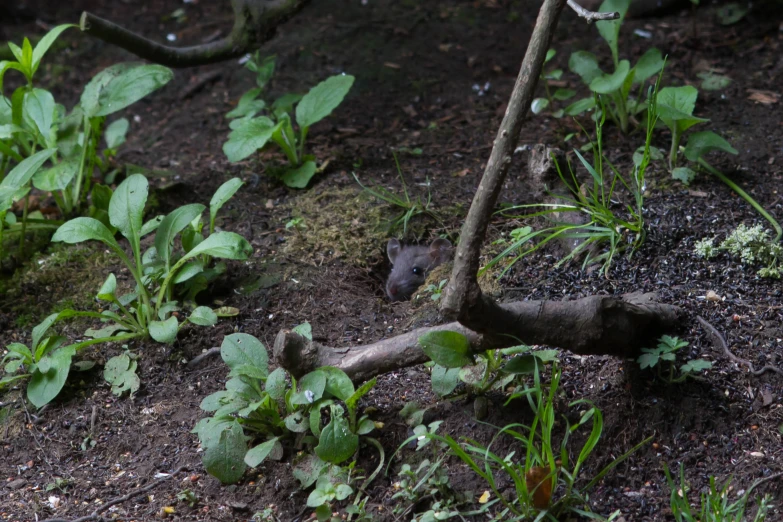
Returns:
<point x="411" y="264"/>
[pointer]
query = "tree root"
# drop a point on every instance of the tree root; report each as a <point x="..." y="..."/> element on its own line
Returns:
<point x="720" y="341"/>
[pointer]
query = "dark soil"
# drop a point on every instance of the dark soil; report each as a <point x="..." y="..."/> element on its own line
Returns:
<point x="416" y="65"/>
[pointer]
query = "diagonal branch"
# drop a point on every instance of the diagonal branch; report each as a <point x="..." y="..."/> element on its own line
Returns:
<point x="591" y="16"/>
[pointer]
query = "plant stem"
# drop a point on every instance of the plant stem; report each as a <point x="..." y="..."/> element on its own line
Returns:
<point x="673" y="150"/>
<point x="77" y="188"/>
<point x="744" y="195"/>
<point x="24" y="225"/>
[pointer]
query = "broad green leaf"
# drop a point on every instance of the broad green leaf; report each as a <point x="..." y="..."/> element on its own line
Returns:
<point x="115" y="133"/>
<point x="681" y="99"/>
<point x="609" y="83"/>
<point x="248" y="105"/>
<point x="696" y="365"/>
<point x="108" y="289"/>
<point x="684" y="175"/>
<point x="308" y="470"/>
<point x="285" y="103"/>
<point x="57" y="177"/>
<point x="120" y="372"/>
<point x="352" y="402"/>
<point x="101" y="197"/>
<point x="126" y="208"/>
<point x="539" y="105"/>
<point x="16" y="51"/>
<point x="46" y="42"/>
<point x="700" y="143"/>
<point x="554" y="75"/>
<point x="713" y="82"/>
<point x="338" y="384"/>
<point x="337" y="444"/>
<point x="241" y="348"/>
<point x="224" y="458"/>
<point x="190" y="270"/>
<point x="296" y="422"/>
<point x="732" y="13"/>
<point x="203" y="316"/>
<point x="275" y="384"/>
<point x="546" y="355"/>
<point x="648" y="65"/>
<point x="564" y="94"/>
<point x="610" y="29"/>
<point x="150" y="226"/>
<point x="164" y="331"/>
<point x="675" y="119"/>
<point x="473" y="374"/>
<point x="248" y="136"/>
<point x="131" y="85"/>
<point x="172" y="225"/>
<point x="305" y="330"/>
<point x="580" y="106"/>
<point x="549" y="55"/>
<point x="322" y="100"/>
<point x="222" y="194"/>
<point x="44" y="387"/>
<point x="444" y="380"/>
<point x="638" y="155"/>
<point x="585" y="64"/>
<point x="225" y="245"/>
<point x="24" y="171"/>
<point x="522" y="364"/>
<point x="39" y="108"/>
<point x="8" y="130"/>
<point x="446" y="348"/>
<point x="85" y="229"/>
<point x="300" y="177"/>
<point x="648" y="360"/>
<point x="257" y="455"/>
<point x="311" y="388"/>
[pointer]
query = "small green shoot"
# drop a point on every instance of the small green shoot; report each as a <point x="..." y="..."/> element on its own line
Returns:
<point x="663" y="357"/>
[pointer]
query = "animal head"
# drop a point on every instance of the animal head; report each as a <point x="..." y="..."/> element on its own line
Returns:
<point x="411" y="264"/>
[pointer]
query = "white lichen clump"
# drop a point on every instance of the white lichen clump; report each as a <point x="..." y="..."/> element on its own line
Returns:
<point x="753" y="246"/>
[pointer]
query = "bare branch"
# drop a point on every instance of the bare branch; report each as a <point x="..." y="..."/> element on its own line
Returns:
<point x="255" y="22"/>
<point x="596" y="325"/>
<point x="591" y="16"/>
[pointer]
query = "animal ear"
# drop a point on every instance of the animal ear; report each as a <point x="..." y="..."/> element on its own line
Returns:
<point x="440" y="250"/>
<point x="393" y="248"/>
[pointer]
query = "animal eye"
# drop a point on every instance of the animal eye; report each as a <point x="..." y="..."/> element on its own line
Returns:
<point x="416" y="270"/>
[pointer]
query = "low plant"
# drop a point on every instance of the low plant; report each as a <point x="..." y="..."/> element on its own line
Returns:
<point x="454" y="363"/>
<point x="436" y="290"/>
<point x="148" y="310"/>
<point x="753" y="245"/>
<point x="31" y="122"/>
<point x="429" y="481"/>
<point x="410" y="207"/>
<point x="561" y="94"/>
<point x="263" y="405"/>
<point x="189" y="497"/>
<point x="615" y="88"/>
<point x="255" y="124"/>
<point x="601" y="228"/>
<point x="715" y="505"/>
<point x="663" y="358"/>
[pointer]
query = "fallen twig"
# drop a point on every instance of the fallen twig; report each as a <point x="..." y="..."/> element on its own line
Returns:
<point x="720" y="341"/>
<point x="591" y="16"/>
<point x="95" y="514"/>
<point x="197" y="359"/>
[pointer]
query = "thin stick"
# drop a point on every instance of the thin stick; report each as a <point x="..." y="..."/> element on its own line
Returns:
<point x="95" y="514"/>
<point x="720" y="341"/>
<point x="591" y="16"/>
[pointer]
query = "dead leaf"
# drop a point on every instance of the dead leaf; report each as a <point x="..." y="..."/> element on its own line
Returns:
<point x="391" y="65"/>
<point x="445" y="47"/>
<point x="539" y="483"/>
<point x="461" y="174"/>
<point x="763" y="97"/>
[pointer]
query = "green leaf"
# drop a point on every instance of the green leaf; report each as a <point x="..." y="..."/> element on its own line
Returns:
<point x="222" y="194"/>
<point x="564" y="94"/>
<point x="701" y="143"/>
<point x="85" y="229"/>
<point x="337" y="443"/>
<point x="549" y="55"/>
<point x="609" y="83"/>
<point x="585" y="64"/>
<point x="108" y="289"/>
<point x="696" y="365"/>
<point x="300" y="177"/>
<point x="648" y="360"/>
<point x="684" y="174"/>
<point x="247" y="105"/>
<point x="126" y="208"/>
<point x="444" y="380"/>
<point x="57" y="177"/>
<point x="352" y="402"/>
<point x="676" y="105"/>
<point x="522" y="364"/>
<point x="248" y="136"/>
<point x="129" y="85"/>
<point x="21" y="175"/>
<point x="539" y="105"/>
<point x="226" y="245"/>
<point x="580" y="106"/>
<point x="305" y="330"/>
<point x="203" y="316"/>
<point x="285" y="103"/>
<point x="446" y="348"/>
<point x="713" y="82"/>
<point x="275" y="384"/>
<point x="610" y="29"/>
<point x="120" y="372"/>
<point x="39" y="108"/>
<point x="164" y="331"/>
<point x="338" y="384"/>
<point x="648" y="65"/>
<point x="241" y="348"/>
<point x="224" y="458"/>
<point x="115" y="133"/>
<point x="172" y="225"/>
<point x="46" y="42"/>
<point x="257" y="455"/>
<point x="308" y="470"/>
<point x="45" y="386"/>
<point x="322" y="100"/>
<point x="732" y="13"/>
<point x="311" y="388"/>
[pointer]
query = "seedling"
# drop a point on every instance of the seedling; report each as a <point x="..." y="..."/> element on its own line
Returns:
<point x="665" y="355"/>
<point x="561" y="94"/>
<point x="752" y="245"/>
<point x="146" y="311"/>
<point x="189" y="497"/>
<point x="255" y="123"/>
<point x="436" y="290"/>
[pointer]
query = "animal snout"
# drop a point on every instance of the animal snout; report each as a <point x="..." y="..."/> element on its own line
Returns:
<point x="393" y="291"/>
